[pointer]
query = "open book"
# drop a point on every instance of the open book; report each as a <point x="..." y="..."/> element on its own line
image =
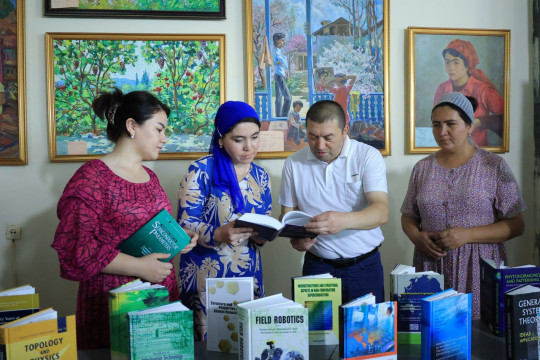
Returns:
<point x="268" y="228"/>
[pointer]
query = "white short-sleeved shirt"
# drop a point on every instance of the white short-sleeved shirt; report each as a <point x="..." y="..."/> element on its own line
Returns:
<point x="314" y="186"/>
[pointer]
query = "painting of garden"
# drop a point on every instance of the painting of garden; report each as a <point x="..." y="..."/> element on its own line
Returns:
<point x="185" y="74"/>
<point x="162" y="5"/>
<point x="309" y="50"/>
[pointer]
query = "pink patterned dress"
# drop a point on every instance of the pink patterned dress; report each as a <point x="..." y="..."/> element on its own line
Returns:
<point x="480" y="192"/>
<point x="97" y="211"/>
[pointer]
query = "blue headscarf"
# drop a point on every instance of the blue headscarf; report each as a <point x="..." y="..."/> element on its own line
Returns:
<point x="224" y="175"/>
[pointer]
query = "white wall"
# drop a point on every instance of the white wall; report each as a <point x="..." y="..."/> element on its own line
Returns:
<point x="29" y="194"/>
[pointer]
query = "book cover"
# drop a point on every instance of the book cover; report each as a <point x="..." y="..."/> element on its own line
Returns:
<point x="522" y="308"/>
<point x="369" y="330"/>
<point x="495" y="280"/>
<point x="273" y="328"/>
<point x="268" y="228"/>
<point x="42" y="335"/>
<point x="162" y="332"/>
<point x="135" y="295"/>
<point x="408" y="288"/>
<point x="222" y="297"/>
<point x="161" y="234"/>
<point x="18" y="302"/>
<point x="321" y="295"/>
<point x="446" y="326"/>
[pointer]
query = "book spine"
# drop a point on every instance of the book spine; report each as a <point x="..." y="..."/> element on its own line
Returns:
<point x="426" y="330"/>
<point x="499" y="305"/>
<point x="243" y="336"/>
<point x="342" y="327"/>
<point x="509" y="306"/>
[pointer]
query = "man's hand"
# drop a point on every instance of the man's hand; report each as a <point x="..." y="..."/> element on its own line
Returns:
<point x="302" y="244"/>
<point x="329" y="222"/>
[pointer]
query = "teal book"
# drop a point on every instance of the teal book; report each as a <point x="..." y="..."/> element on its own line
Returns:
<point x="408" y="288"/>
<point x="273" y="327"/>
<point x="161" y="332"/>
<point x="135" y="295"/>
<point x="161" y="234"/>
<point x="446" y="326"/>
<point x="368" y="330"/>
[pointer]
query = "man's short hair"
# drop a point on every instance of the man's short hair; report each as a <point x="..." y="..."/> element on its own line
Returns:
<point x="326" y="110"/>
<point x="278" y="36"/>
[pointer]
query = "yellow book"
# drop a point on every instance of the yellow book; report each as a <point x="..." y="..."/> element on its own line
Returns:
<point x="42" y="335"/>
<point x="18" y="302"/>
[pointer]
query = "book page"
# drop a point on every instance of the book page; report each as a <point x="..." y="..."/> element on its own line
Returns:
<point x="296" y="218"/>
<point x="261" y="220"/>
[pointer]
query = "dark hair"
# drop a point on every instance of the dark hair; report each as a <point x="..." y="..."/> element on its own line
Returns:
<point x="456" y="53"/>
<point x="116" y="107"/>
<point x="297" y="102"/>
<point x="462" y="114"/>
<point x="326" y="110"/>
<point x="245" y="120"/>
<point x="278" y="36"/>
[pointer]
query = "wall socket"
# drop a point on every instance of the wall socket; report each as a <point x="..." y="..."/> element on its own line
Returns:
<point x="13" y="232"/>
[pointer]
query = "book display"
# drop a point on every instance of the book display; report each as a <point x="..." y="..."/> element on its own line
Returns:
<point x="407" y="288"/>
<point x="161" y="234"/>
<point x="368" y="330"/>
<point x="42" y="335"/>
<point x="495" y="280"/>
<point x="321" y="295"/>
<point x="268" y="228"/>
<point x="161" y="332"/>
<point x="222" y="297"/>
<point x="135" y="295"/>
<point x="18" y="302"/>
<point x="446" y="326"/>
<point x="273" y="327"/>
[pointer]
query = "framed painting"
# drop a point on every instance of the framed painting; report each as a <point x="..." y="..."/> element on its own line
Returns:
<point x="186" y="72"/>
<point x="174" y="9"/>
<point x="474" y="62"/>
<point x="303" y="51"/>
<point x="13" y="146"/>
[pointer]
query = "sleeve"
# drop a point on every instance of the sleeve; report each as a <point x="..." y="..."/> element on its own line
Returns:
<point x="193" y="195"/>
<point x="374" y="172"/>
<point x="410" y="207"/>
<point x="82" y="251"/>
<point x="508" y="200"/>
<point x="287" y="194"/>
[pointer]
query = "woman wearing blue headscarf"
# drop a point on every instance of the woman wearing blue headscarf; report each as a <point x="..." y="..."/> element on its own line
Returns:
<point x="217" y="189"/>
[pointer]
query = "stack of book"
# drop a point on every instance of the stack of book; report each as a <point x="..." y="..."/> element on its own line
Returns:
<point x="18" y="302"/>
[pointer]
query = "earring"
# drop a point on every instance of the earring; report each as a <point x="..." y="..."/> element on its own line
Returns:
<point x="221" y="146"/>
<point x="133" y="135"/>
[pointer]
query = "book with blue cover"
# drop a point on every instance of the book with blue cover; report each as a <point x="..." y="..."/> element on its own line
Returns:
<point x="446" y="326"/>
<point x="408" y="288"/>
<point x="368" y="330"/>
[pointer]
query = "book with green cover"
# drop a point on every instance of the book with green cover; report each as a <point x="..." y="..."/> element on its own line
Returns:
<point x="161" y="234"/>
<point x="272" y="327"/>
<point x="135" y="295"/>
<point x="18" y="302"/>
<point x="222" y="296"/>
<point x="321" y="295"/>
<point x="161" y="332"/>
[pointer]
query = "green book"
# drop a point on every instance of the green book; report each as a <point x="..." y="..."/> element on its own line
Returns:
<point x="161" y="234"/>
<point x="135" y="295"/>
<point x="161" y="332"/>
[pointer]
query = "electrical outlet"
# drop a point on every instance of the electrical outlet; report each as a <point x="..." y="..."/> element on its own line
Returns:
<point x="13" y="232"/>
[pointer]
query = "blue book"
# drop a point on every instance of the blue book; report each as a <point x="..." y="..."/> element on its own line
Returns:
<point x="446" y="326"/>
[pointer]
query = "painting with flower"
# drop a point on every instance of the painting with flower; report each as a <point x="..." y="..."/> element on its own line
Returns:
<point x="185" y="72"/>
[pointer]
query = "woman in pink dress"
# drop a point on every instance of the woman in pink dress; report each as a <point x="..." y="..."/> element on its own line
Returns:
<point x="107" y="200"/>
<point x="462" y="203"/>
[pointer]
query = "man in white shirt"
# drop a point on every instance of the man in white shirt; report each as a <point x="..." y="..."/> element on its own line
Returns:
<point x="342" y="183"/>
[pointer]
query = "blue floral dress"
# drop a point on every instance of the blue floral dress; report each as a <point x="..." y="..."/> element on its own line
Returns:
<point x="203" y="208"/>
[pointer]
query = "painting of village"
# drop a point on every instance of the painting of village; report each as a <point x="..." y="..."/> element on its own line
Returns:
<point x="309" y="50"/>
<point x="10" y="129"/>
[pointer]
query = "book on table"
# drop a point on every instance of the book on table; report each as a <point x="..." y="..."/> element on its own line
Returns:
<point x="368" y="329"/>
<point x="407" y="288"/>
<point x="42" y="335"/>
<point x="522" y="308"/>
<point x="18" y="302"/>
<point x="134" y="295"/>
<point x="161" y="234"/>
<point x="272" y="327"/>
<point x="222" y="297"/>
<point x="495" y="280"/>
<point x="446" y="326"/>
<point x="321" y="295"/>
<point x="269" y="228"/>
<point x="161" y="332"/>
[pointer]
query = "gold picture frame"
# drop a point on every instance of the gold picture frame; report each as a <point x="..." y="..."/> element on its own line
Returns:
<point x="13" y="144"/>
<point x="367" y="98"/>
<point x="487" y="78"/>
<point x="186" y="72"/>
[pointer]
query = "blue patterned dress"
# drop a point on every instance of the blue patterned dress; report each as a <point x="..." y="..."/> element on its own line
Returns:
<point x="203" y="208"/>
